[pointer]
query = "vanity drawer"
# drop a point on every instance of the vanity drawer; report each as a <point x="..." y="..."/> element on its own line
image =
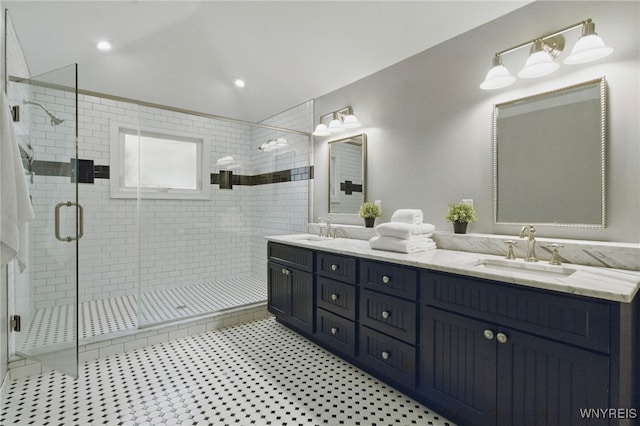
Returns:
<point x="291" y="256"/>
<point x="392" y="358"/>
<point x="570" y="319"/>
<point x="337" y="297"/>
<point x="338" y="267"/>
<point x="336" y="332"/>
<point x="388" y="314"/>
<point x="395" y="280"/>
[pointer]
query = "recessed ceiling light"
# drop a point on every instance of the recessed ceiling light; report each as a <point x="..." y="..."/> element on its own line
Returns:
<point x="239" y="82"/>
<point x="104" y="45"/>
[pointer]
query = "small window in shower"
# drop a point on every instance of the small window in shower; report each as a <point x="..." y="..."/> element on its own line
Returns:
<point x="157" y="165"/>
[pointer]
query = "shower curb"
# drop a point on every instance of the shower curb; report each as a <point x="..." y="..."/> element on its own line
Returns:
<point x="128" y="341"/>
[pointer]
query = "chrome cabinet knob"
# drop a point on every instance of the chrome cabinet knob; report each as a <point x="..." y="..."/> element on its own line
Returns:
<point x="334" y="330"/>
<point x="488" y="334"/>
<point x="386" y="279"/>
<point x="334" y="296"/>
<point x="334" y="267"/>
<point x="285" y="271"/>
<point x="385" y="355"/>
<point x="502" y="338"/>
<point x="386" y="314"/>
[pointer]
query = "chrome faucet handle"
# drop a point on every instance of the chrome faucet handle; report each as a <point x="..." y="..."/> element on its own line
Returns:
<point x="555" y="257"/>
<point x="529" y="231"/>
<point x="510" y="254"/>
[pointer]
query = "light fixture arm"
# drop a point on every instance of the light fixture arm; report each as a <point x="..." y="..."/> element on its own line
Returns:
<point x="544" y="37"/>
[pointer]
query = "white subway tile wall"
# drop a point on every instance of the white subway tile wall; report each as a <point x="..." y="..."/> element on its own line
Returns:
<point x="161" y="244"/>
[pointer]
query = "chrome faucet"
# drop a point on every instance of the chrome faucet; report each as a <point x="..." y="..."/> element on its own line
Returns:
<point x="530" y="232"/>
<point x="327" y="221"/>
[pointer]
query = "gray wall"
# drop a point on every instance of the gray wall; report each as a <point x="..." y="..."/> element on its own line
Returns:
<point x="429" y="125"/>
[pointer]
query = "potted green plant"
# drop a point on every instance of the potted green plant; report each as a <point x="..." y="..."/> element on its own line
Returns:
<point x="460" y="214"/>
<point x="369" y="212"/>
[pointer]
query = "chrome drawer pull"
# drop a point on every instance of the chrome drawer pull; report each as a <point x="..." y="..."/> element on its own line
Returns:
<point x="501" y="338"/>
<point x="386" y="355"/>
<point x="334" y="296"/>
<point x="334" y="330"/>
<point x="334" y="267"/>
<point x="386" y="314"/>
<point x="386" y="279"/>
<point x="488" y="334"/>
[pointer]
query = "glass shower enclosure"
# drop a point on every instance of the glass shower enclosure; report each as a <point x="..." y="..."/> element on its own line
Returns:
<point x="46" y="291"/>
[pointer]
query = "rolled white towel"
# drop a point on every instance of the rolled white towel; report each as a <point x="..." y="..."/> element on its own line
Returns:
<point x="404" y="230"/>
<point x="412" y="216"/>
<point x="412" y="245"/>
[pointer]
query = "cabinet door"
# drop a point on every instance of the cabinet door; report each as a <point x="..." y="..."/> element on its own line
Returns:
<point x="543" y="382"/>
<point x="301" y="313"/>
<point x="458" y="367"/>
<point x="279" y="292"/>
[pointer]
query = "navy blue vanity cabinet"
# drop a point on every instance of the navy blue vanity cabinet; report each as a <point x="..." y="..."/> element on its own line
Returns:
<point x="290" y="286"/>
<point x="388" y="321"/>
<point x="336" y="301"/>
<point x="497" y="354"/>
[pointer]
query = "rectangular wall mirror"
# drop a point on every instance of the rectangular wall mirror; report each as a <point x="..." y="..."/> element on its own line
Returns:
<point x="549" y="158"/>
<point x="347" y="174"/>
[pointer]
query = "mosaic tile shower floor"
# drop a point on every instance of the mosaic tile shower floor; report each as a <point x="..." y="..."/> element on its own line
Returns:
<point x="258" y="373"/>
<point x="51" y="326"/>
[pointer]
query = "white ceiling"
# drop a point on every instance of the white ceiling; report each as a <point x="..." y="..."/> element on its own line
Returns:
<point x="186" y="53"/>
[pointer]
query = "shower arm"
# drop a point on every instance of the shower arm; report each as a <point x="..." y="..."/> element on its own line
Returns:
<point x="54" y="120"/>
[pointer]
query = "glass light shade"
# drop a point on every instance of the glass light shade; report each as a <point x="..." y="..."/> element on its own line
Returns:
<point x="335" y="126"/>
<point x="538" y="64"/>
<point x="321" y="130"/>
<point x="351" y="122"/>
<point x="497" y="77"/>
<point x="588" y="48"/>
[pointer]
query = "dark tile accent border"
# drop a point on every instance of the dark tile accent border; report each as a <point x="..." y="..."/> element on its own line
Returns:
<point x="90" y="171"/>
<point x="101" y="172"/>
<point x="300" y="173"/>
<point x="51" y="168"/>
<point x="83" y="170"/>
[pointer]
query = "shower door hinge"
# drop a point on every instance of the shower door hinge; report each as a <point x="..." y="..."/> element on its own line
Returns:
<point x="14" y="323"/>
<point x="15" y="113"/>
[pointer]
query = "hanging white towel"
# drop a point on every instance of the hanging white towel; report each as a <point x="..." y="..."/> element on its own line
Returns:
<point x="15" y="204"/>
<point x="404" y="230"/>
<point x="412" y="216"/>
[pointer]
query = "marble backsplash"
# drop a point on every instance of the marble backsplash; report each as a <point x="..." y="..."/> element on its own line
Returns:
<point x="591" y="253"/>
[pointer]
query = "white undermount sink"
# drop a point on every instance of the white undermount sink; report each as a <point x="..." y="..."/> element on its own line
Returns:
<point x="307" y="237"/>
<point x="527" y="268"/>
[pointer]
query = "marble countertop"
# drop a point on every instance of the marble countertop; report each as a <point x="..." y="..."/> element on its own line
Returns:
<point x="603" y="283"/>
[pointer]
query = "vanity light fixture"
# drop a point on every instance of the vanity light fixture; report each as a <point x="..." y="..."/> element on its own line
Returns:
<point x="273" y="144"/>
<point x="340" y="121"/>
<point x="227" y="163"/>
<point x="544" y="51"/>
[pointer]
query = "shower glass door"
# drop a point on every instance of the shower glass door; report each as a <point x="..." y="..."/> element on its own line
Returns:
<point x="46" y="292"/>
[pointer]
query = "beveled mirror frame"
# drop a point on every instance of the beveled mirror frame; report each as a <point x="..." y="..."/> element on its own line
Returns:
<point x="555" y="96"/>
<point x="363" y="137"/>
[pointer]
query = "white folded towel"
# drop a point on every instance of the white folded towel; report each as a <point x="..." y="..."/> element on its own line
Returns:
<point x="412" y="245"/>
<point x="404" y="230"/>
<point x="412" y="216"/>
<point x="15" y="204"/>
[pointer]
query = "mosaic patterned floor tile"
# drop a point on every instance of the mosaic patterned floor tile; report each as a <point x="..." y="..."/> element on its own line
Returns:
<point x="258" y="373"/>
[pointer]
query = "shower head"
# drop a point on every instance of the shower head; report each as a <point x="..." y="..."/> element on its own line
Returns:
<point x="54" y="120"/>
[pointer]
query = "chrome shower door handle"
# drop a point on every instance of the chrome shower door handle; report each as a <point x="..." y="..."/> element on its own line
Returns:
<point x="80" y="231"/>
